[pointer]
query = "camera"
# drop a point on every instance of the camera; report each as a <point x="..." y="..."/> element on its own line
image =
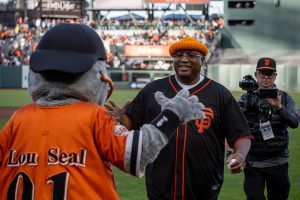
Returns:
<point x="267" y="93"/>
<point x="248" y="83"/>
<point x="255" y="108"/>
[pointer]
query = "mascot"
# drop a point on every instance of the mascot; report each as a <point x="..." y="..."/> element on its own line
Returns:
<point x="63" y="144"/>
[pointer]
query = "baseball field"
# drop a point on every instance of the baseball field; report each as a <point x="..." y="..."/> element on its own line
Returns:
<point x="132" y="188"/>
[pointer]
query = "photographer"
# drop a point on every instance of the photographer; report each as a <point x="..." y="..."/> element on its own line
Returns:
<point x="269" y="117"/>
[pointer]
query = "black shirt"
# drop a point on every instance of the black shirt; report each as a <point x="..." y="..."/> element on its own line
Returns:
<point x="192" y="163"/>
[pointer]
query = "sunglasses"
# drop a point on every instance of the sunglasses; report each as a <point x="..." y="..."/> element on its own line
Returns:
<point x="106" y="79"/>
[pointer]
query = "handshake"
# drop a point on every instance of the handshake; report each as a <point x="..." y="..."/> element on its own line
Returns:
<point x="186" y="107"/>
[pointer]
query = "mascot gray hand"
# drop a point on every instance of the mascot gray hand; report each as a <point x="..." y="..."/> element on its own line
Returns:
<point x="186" y="107"/>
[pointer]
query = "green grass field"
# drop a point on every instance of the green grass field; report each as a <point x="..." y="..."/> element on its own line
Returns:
<point x="132" y="188"/>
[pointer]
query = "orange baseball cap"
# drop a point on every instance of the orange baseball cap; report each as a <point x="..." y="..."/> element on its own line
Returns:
<point x="188" y="43"/>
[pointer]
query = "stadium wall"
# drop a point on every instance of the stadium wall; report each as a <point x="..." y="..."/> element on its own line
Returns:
<point x="268" y="26"/>
<point x="288" y="78"/>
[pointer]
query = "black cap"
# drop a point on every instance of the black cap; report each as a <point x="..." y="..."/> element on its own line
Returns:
<point x="70" y="48"/>
<point x="266" y="64"/>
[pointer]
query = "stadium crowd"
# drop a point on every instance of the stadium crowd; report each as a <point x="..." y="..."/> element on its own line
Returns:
<point x="17" y="43"/>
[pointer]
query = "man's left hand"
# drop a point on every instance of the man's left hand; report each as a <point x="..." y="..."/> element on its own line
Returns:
<point x="275" y="103"/>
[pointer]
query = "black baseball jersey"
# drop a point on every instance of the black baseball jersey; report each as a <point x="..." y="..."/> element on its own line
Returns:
<point x="191" y="166"/>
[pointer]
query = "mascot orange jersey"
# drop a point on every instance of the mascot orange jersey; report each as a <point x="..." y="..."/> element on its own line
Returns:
<point x="45" y="158"/>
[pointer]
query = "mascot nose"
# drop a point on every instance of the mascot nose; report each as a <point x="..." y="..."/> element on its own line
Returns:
<point x="107" y="79"/>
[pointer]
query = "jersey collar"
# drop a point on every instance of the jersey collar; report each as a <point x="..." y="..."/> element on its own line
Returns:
<point x="176" y="87"/>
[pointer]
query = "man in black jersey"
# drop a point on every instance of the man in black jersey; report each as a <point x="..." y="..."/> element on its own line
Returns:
<point x="191" y="166"/>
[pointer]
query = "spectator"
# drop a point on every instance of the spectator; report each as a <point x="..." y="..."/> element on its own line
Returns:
<point x="141" y="37"/>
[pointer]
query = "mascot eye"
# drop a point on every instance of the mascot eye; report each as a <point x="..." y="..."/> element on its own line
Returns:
<point x="106" y="79"/>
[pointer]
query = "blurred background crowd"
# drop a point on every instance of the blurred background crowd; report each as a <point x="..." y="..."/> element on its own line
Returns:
<point x="19" y="41"/>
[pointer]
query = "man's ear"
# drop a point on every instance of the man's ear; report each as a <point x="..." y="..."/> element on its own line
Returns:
<point x="255" y="74"/>
<point x="203" y="60"/>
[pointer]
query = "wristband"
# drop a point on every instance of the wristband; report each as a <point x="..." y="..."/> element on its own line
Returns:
<point x="167" y="122"/>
